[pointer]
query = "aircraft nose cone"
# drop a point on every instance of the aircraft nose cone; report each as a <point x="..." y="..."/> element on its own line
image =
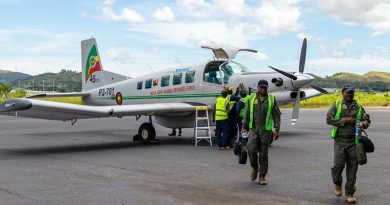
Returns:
<point x="302" y="79"/>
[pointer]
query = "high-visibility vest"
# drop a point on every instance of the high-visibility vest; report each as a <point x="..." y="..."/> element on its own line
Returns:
<point x="220" y="109"/>
<point x="245" y="100"/>
<point x="268" y="118"/>
<point x="231" y="103"/>
<point x="339" y="104"/>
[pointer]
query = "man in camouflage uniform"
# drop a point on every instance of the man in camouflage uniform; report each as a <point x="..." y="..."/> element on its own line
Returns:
<point x="262" y="114"/>
<point x="345" y="115"/>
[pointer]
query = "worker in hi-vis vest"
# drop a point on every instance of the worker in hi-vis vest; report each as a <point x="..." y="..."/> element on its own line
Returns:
<point x="220" y="117"/>
<point x="345" y="116"/>
<point x="262" y="114"/>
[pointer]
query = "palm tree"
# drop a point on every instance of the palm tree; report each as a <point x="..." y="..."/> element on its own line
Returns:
<point x="5" y="89"/>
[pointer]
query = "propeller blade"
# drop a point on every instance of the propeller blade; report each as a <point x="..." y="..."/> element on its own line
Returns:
<point x="295" y="113"/>
<point x="323" y="91"/>
<point x="302" y="59"/>
<point x="289" y="75"/>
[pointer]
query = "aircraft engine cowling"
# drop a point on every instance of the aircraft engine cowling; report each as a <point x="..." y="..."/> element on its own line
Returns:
<point x="277" y="81"/>
<point x="285" y="97"/>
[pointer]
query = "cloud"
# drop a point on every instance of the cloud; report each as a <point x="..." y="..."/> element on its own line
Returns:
<point x="164" y="14"/>
<point x="279" y="16"/>
<point x="329" y="66"/>
<point x="191" y="5"/>
<point x="373" y="14"/>
<point x="260" y="56"/>
<point x="214" y="33"/>
<point x="337" y="50"/>
<point x="302" y="35"/>
<point x="127" y="14"/>
<point x="232" y="7"/>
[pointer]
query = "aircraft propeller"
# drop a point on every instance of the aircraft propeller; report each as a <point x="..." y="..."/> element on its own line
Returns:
<point x="299" y="79"/>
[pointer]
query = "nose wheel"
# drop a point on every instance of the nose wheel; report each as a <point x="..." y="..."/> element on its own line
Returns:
<point x="146" y="133"/>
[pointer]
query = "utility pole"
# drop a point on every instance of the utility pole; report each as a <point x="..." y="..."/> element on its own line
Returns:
<point x="53" y="87"/>
<point x="33" y="85"/>
<point x="43" y="85"/>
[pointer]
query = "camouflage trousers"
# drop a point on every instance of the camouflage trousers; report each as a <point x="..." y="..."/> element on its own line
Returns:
<point x="258" y="151"/>
<point x="345" y="153"/>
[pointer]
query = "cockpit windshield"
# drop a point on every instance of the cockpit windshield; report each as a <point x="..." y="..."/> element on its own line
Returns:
<point x="229" y="68"/>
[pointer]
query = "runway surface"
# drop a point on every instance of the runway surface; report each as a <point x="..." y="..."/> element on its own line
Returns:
<point x="96" y="162"/>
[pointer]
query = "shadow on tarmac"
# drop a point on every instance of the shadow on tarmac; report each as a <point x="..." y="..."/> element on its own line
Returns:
<point x="165" y="141"/>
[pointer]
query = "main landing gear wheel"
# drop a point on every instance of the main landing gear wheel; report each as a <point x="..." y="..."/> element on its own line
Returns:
<point x="146" y="133"/>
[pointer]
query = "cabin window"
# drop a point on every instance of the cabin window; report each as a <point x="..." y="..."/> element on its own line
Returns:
<point x="177" y="78"/>
<point x="148" y="83"/>
<point x="190" y="76"/>
<point x="212" y="73"/>
<point x="139" y="85"/>
<point x="165" y="81"/>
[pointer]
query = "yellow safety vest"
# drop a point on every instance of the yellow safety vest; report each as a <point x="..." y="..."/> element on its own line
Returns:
<point x="245" y="100"/>
<point x="269" y="118"/>
<point x="220" y="109"/>
<point x="339" y="104"/>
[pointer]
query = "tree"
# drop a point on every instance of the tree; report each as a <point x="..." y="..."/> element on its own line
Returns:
<point x="5" y="89"/>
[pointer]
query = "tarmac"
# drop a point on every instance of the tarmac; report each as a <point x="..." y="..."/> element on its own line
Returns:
<point x="96" y="162"/>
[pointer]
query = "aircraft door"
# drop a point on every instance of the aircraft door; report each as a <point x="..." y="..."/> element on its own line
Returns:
<point x="212" y="78"/>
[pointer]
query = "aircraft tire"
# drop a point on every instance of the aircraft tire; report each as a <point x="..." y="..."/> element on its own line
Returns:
<point x="146" y="132"/>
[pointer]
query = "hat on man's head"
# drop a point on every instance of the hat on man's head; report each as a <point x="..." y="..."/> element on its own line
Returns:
<point x="262" y="83"/>
<point x="348" y="88"/>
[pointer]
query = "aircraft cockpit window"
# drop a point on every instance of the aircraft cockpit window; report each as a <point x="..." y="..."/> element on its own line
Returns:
<point x="212" y="74"/>
<point x="177" y="78"/>
<point x="230" y="68"/>
<point x="190" y="76"/>
<point x="165" y="80"/>
<point x="148" y="83"/>
<point x="139" y="85"/>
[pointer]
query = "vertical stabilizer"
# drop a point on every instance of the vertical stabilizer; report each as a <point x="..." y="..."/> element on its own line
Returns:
<point x="93" y="75"/>
<point x="92" y="69"/>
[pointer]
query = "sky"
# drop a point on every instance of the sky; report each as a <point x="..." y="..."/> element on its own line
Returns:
<point x="137" y="37"/>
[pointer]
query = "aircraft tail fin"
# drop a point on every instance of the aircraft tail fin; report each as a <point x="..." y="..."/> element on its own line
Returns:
<point x="93" y="75"/>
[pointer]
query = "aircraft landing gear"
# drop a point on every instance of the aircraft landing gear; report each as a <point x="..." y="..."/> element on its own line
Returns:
<point x="146" y="132"/>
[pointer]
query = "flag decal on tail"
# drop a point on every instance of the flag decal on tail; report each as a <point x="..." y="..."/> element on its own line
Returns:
<point x="93" y="63"/>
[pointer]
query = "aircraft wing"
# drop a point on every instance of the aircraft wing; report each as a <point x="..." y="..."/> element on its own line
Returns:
<point x="23" y="107"/>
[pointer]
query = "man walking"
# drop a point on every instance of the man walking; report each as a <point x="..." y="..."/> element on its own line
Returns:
<point x="261" y="115"/>
<point x="346" y="115"/>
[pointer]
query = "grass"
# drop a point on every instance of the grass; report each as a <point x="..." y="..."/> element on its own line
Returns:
<point x="365" y="99"/>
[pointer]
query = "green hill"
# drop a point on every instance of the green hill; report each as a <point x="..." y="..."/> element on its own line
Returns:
<point x="9" y="76"/>
<point x="371" y="81"/>
<point x="377" y="76"/>
<point x="64" y="81"/>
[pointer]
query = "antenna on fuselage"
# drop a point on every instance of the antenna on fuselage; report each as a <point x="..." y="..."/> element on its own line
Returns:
<point x="150" y="67"/>
<point x="178" y="61"/>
